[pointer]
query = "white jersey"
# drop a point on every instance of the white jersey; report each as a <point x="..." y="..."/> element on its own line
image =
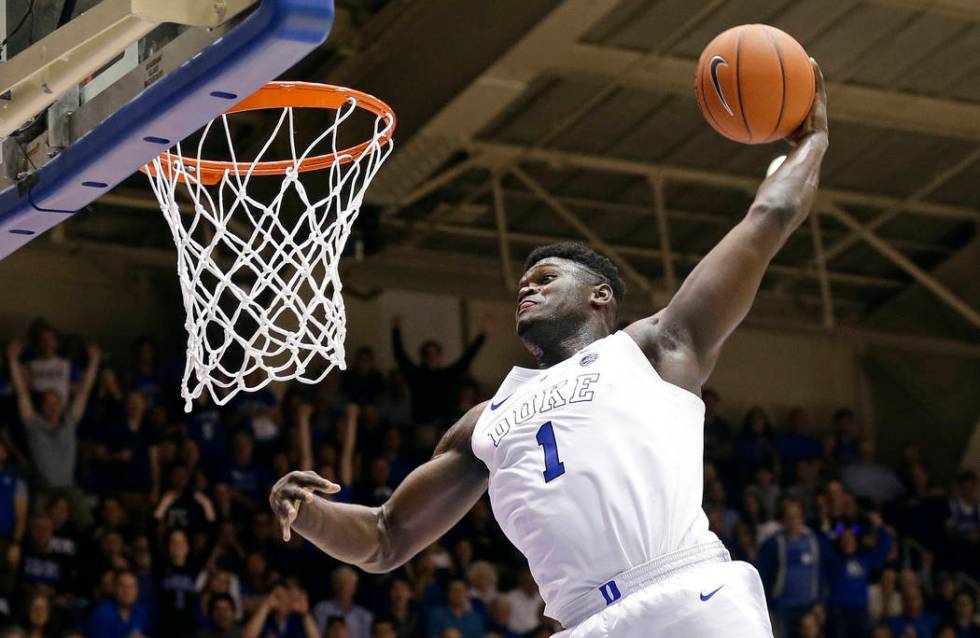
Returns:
<point x="595" y="467"/>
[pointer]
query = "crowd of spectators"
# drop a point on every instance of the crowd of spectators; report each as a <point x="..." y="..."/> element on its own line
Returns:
<point x="123" y="517"/>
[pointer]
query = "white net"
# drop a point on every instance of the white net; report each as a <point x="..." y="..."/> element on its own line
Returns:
<point x="258" y="267"/>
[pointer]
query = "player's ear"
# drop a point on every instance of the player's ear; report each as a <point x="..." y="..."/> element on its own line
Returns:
<point x="602" y="294"/>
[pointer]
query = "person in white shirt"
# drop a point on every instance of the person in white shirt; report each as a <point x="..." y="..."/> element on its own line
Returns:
<point x="525" y="604"/>
<point x="48" y="371"/>
<point x="342" y="604"/>
<point x="884" y="599"/>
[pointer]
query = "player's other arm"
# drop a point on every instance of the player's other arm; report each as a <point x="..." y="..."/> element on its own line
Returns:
<point x="426" y="505"/>
<point x="719" y="292"/>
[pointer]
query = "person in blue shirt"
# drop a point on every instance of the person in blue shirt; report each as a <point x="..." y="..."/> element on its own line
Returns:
<point x="146" y="375"/>
<point x="914" y="620"/>
<point x="456" y="614"/>
<point x="789" y="564"/>
<point x="13" y="515"/>
<point x="795" y="444"/>
<point x="848" y="574"/>
<point x="122" y="617"/>
<point x="204" y="427"/>
<point x="248" y="478"/>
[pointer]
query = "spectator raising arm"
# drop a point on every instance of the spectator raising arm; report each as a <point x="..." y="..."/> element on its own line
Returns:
<point x="301" y="605"/>
<point x="405" y="364"/>
<point x="255" y="624"/>
<point x="78" y="404"/>
<point x="461" y="365"/>
<point x="154" y="473"/>
<point x="20" y="523"/>
<point x="17" y="378"/>
<point x="346" y="466"/>
<point x="304" y="412"/>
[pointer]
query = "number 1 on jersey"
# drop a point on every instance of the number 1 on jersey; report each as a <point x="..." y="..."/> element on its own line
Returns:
<point x="553" y="468"/>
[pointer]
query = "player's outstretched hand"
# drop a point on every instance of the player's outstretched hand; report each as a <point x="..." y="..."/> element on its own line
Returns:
<point x="816" y="121"/>
<point x="291" y="491"/>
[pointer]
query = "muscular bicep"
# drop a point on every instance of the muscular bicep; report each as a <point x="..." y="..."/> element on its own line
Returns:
<point x="714" y="298"/>
<point x="436" y="495"/>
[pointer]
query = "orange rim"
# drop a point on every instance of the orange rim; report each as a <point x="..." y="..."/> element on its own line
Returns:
<point x="277" y="95"/>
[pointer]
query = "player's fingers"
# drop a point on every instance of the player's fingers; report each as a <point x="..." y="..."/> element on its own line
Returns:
<point x="332" y="488"/>
<point x="295" y="493"/>
<point x="820" y="104"/>
<point x="818" y="74"/>
<point x="283" y="513"/>
<point x="309" y="479"/>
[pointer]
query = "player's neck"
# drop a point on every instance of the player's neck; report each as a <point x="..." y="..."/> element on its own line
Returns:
<point x="555" y="346"/>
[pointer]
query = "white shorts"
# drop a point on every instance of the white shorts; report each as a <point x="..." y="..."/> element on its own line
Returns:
<point x="710" y="600"/>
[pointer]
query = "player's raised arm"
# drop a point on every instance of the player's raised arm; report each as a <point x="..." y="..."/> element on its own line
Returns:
<point x="719" y="292"/>
<point x="427" y="504"/>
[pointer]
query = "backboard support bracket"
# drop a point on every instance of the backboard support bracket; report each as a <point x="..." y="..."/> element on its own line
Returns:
<point x="39" y="75"/>
<point x="264" y="44"/>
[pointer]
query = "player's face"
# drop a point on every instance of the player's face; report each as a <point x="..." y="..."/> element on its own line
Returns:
<point x="552" y="290"/>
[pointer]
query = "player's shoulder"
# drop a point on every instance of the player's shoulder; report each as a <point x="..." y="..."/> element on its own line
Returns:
<point x="668" y="350"/>
<point x="653" y="336"/>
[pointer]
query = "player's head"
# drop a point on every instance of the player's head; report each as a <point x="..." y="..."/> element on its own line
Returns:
<point x="564" y="286"/>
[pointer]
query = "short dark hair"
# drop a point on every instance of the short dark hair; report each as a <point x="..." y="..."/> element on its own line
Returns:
<point x="217" y="598"/>
<point x="584" y="256"/>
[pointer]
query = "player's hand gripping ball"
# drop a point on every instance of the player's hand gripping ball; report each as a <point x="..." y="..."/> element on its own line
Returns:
<point x="755" y="84"/>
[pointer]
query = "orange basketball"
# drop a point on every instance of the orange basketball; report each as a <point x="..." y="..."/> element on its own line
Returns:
<point x="755" y="84"/>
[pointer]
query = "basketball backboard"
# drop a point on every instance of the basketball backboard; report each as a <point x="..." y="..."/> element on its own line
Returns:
<point x="85" y="104"/>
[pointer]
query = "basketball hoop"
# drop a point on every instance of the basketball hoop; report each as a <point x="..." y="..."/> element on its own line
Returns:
<point x="259" y="274"/>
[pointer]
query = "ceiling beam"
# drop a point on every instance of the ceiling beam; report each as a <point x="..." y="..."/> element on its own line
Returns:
<point x="966" y="10"/>
<point x="583" y="229"/>
<point x="130" y="199"/>
<point x="494" y="153"/>
<point x="890" y="213"/>
<point x="858" y="104"/>
<point x="535" y="239"/>
<point x="674" y="214"/>
<point x="929" y="282"/>
<point x="486" y="97"/>
<point x="500" y="216"/>
<point x="429" y="270"/>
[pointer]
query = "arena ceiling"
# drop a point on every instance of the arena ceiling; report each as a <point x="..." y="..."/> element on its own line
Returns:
<point x="526" y="122"/>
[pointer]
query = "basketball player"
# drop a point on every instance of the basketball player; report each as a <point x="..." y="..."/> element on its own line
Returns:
<point x="594" y="460"/>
